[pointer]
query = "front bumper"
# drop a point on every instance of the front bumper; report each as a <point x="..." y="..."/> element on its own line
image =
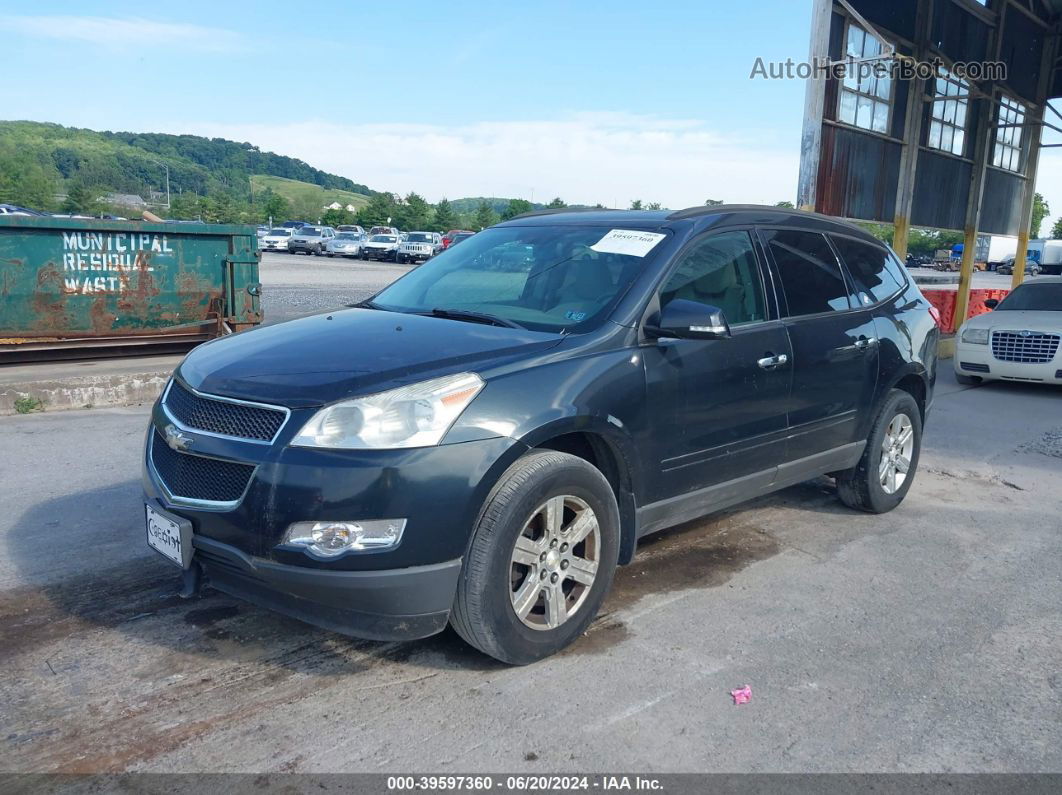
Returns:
<point x="403" y="592"/>
<point x="977" y="360"/>
<point x="389" y="604"/>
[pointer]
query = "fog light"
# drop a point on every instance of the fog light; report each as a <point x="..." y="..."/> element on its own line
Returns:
<point x="329" y="539"/>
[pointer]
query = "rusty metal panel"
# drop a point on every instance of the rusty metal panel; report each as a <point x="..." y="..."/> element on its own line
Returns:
<point x="942" y="184"/>
<point x="858" y="173"/>
<point x="63" y="279"/>
<point x="1002" y="203"/>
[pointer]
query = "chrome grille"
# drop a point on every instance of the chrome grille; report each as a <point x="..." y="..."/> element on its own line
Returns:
<point x="241" y="420"/>
<point x="193" y="477"/>
<point x="1027" y="347"/>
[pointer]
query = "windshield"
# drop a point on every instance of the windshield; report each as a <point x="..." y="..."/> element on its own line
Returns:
<point x="309" y="231"/>
<point x="545" y="278"/>
<point x="419" y="237"/>
<point x="347" y="236"/>
<point x="1034" y="297"/>
<point x="383" y="239"/>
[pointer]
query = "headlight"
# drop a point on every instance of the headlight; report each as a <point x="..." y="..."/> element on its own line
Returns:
<point x="410" y="416"/>
<point x="975" y="336"/>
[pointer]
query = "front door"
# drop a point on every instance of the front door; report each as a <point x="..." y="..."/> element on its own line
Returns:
<point x="718" y="407"/>
<point x="835" y="350"/>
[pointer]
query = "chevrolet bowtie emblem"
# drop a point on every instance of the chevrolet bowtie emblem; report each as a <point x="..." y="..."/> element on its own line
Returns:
<point x="177" y="440"/>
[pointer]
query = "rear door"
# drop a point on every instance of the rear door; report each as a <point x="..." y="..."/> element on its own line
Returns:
<point x="718" y="407"/>
<point x="835" y="348"/>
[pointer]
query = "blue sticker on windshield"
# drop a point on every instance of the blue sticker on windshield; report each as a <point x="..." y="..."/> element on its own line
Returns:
<point x="578" y="317"/>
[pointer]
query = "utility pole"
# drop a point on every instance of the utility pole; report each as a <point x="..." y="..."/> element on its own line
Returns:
<point x="160" y="163"/>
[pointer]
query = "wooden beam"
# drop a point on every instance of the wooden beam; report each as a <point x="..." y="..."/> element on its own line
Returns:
<point x="814" y="107"/>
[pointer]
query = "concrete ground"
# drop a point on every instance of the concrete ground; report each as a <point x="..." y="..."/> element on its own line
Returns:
<point x="928" y="639"/>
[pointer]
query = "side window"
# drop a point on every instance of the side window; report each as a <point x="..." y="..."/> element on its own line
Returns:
<point x="874" y="271"/>
<point x="720" y="270"/>
<point x="811" y="277"/>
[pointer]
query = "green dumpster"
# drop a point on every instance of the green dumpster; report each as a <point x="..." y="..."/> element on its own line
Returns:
<point x="84" y="287"/>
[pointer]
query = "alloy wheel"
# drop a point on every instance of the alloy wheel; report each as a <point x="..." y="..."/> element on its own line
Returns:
<point x="897" y="447"/>
<point x="554" y="562"/>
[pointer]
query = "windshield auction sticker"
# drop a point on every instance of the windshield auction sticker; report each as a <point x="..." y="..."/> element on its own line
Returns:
<point x="627" y="241"/>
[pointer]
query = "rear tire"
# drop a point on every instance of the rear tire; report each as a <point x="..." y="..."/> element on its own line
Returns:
<point x="525" y="592"/>
<point x="886" y="470"/>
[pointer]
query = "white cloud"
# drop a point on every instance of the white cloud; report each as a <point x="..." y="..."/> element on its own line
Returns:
<point x="125" y="32"/>
<point x="585" y="159"/>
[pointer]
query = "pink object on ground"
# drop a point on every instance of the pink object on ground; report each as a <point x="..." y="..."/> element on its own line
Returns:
<point x="742" y="696"/>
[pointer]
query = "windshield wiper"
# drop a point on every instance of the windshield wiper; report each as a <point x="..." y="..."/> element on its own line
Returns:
<point x="474" y="317"/>
<point x="368" y="303"/>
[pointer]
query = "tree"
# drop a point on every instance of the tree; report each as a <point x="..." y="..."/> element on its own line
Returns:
<point x="484" y="216"/>
<point x="80" y="198"/>
<point x="413" y="213"/>
<point x="337" y="217"/>
<point x="516" y="207"/>
<point x="636" y="204"/>
<point x="786" y="205"/>
<point x="185" y="206"/>
<point x="1040" y="210"/>
<point x="445" y="217"/>
<point x="1056" y="230"/>
<point x="380" y="211"/>
<point x="653" y="206"/>
<point x="274" y="206"/>
<point x="882" y="232"/>
<point x="712" y="202"/>
<point x="557" y="204"/>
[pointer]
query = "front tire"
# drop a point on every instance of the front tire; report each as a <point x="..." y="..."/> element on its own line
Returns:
<point x="968" y="380"/>
<point x="541" y="560"/>
<point x="886" y="470"/>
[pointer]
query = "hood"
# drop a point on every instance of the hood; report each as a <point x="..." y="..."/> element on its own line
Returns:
<point x="324" y="358"/>
<point x="1018" y="320"/>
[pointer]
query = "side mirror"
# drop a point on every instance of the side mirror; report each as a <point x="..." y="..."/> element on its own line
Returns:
<point x="689" y="320"/>
<point x="991" y="303"/>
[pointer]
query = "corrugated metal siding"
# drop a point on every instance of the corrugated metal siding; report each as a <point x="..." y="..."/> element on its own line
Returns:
<point x="1001" y="203"/>
<point x="1023" y="42"/>
<point x="897" y="16"/>
<point x="942" y="184"/>
<point x="858" y="175"/>
<point x="958" y="34"/>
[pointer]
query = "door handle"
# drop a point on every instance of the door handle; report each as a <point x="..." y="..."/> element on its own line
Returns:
<point x="865" y="342"/>
<point x="771" y="362"/>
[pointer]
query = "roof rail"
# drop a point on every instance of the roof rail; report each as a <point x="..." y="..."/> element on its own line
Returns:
<point x="555" y="210"/>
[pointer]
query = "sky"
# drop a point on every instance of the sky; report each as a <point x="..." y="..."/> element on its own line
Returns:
<point x="590" y="101"/>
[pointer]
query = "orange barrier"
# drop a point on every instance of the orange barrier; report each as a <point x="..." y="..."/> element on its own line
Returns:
<point x="944" y="301"/>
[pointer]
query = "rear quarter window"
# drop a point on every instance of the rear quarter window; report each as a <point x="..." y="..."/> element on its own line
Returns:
<point x="875" y="272"/>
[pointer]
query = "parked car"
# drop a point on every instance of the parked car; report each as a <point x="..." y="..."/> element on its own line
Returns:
<point x="276" y="240"/>
<point x="262" y="231"/>
<point x="350" y="228"/>
<point x="311" y="240"/>
<point x="383" y="230"/>
<point x="1018" y="340"/>
<point x="381" y="247"/>
<point x="14" y="209"/>
<point x="346" y="244"/>
<point x="461" y="236"/>
<point x="419" y="246"/>
<point x="448" y="238"/>
<point x="504" y="437"/>
<point x="1006" y="267"/>
<point x="295" y="224"/>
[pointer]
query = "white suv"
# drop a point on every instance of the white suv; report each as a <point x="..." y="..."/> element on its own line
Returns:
<point x="420" y="246"/>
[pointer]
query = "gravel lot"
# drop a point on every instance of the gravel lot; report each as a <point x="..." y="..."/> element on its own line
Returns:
<point x="294" y="285"/>
<point x="925" y="640"/>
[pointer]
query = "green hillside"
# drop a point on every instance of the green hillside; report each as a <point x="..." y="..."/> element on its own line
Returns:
<point x="51" y="167"/>
<point x="301" y="194"/>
